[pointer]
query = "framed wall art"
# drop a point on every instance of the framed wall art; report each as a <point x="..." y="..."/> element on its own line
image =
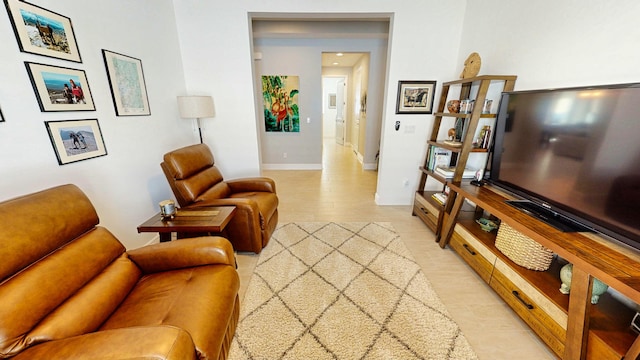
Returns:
<point x="128" y="88"/>
<point x="415" y="97"/>
<point x="280" y="101"/>
<point x="43" y="32"/>
<point x="60" y="88"/>
<point x="332" y="101"/>
<point x="76" y="140"/>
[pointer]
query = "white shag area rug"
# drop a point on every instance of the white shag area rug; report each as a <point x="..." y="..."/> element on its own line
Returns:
<point x="343" y="291"/>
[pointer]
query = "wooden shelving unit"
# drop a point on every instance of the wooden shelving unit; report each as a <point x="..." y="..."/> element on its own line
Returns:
<point x="569" y="324"/>
<point x="460" y="154"/>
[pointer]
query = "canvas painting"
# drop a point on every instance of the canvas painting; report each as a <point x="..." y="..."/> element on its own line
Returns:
<point x="280" y="99"/>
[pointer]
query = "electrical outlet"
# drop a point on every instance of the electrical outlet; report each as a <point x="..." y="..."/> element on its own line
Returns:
<point x="284" y="155"/>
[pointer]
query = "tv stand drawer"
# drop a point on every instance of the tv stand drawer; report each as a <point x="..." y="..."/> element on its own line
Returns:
<point x="473" y="252"/>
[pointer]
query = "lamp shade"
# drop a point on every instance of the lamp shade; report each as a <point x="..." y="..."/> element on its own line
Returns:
<point x="195" y="107"/>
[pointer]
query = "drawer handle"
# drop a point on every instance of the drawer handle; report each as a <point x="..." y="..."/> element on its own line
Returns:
<point x="517" y="295"/>
<point x="466" y="247"/>
<point x="424" y="211"/>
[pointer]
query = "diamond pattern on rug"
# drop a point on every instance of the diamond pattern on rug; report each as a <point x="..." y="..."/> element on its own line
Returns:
<point x="343" y="291"/>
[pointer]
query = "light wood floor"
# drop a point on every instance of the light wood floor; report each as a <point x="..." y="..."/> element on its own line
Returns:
<point x="343" y="192"/>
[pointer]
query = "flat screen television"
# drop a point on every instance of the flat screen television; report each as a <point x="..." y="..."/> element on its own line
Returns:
<point x="573" y="156"/>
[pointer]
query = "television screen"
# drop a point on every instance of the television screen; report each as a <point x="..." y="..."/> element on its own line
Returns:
<point x="574" y="151"/>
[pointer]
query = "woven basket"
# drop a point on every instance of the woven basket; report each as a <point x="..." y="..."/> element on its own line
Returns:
<point x="522" y="250"/>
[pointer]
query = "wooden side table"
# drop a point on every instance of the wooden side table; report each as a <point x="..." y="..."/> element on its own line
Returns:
<point x="211" y="219"/>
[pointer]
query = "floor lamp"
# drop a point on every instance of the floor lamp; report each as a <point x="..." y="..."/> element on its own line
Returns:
<point x="196" y="107"/>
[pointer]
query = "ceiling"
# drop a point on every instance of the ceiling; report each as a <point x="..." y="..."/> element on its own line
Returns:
<point x="346" y="60"/>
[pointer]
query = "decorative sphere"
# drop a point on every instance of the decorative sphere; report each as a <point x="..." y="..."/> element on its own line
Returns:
<point x="566" y="273"/>
<point x="453" y="106"/>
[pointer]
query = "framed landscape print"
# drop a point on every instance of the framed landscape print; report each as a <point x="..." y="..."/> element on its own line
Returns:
<point x="59" y="88"/>
<point x="76" y="140"/>
<point x="128" y="88"/>
<point x="415" y="97"/>
<point x="43" y="32"/>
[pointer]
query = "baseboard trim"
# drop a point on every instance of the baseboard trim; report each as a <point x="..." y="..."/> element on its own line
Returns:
<point x="292" y="166"/>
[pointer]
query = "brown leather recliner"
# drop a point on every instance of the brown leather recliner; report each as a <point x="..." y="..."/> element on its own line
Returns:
<point x="69" y="290"/>
<point x="196" y="181"/>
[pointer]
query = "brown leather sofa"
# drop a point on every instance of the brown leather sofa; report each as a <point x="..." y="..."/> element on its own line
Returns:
<point x="69" y="290"/>
<point x="196" y="181"/>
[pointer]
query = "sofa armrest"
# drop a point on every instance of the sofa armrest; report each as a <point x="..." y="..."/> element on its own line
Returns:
<point x="144" y="342"/>
<point x="206" y="250"/>
<point x="252" y="184"/>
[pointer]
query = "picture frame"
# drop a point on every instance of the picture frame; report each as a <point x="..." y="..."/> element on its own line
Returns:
<point x="60" y="88"/>
<point x="76" y="140"/>
<point x="415" y="97"/>
<point x="128" y="88"/>
<point x="332" y="101"/>
<point x="42" y="32"/>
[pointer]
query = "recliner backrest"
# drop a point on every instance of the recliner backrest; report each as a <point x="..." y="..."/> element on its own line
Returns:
<point x="191" y="172"/>
<point x="57" y="270"/>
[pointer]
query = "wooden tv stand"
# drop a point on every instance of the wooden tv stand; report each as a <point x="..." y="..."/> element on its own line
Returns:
<point x="569" y="324"/>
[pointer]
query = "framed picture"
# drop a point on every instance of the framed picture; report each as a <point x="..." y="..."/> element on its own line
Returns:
<point x="332" y="101"/>
<point x="43" y="32"/>
<point x="415" y="97"/>
<point x="59" y="88"/>
<point x="128" y="88"/>
<point x="280" y="95"/>
<point x="76" y="140"/>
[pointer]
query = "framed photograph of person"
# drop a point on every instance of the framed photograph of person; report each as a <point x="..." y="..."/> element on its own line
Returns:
<point x="415" y="97"/>
<point x="128" y="88"/>
<point x="76" y="140"/>
<point x="43" y="32"/>
<point x="59" y="88"/>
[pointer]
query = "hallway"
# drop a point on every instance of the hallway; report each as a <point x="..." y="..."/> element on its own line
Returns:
<point x="342" y="192"/>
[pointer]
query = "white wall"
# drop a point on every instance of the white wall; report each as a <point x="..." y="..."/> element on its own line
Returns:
<point x="125" y="185"/>
<point x="555" y="43"/>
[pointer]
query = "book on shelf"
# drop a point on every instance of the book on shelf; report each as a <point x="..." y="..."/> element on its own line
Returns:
<point x="447" y="172"/>
<point x="438" y="157"/>
<point x="441" y="198"/>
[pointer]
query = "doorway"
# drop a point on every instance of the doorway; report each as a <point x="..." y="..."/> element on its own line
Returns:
<point x="278" y="39"/>
<point x="345" y="78"/>
<point x="334" y="96"/>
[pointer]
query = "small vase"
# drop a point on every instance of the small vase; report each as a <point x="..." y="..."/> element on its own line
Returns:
<point x="566" y="273"/>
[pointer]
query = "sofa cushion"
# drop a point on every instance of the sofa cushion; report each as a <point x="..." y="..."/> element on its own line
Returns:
<point x="187" y="161"/>
<point x="150" y="342"/>
<point x="186" y="298"/>
<point x="35" y="232"/>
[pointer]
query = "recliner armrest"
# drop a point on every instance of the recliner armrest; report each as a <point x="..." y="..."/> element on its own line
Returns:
<point x="206" y="250"/>
<point x="252" y="184"/>
<point x="144" y="342"/>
